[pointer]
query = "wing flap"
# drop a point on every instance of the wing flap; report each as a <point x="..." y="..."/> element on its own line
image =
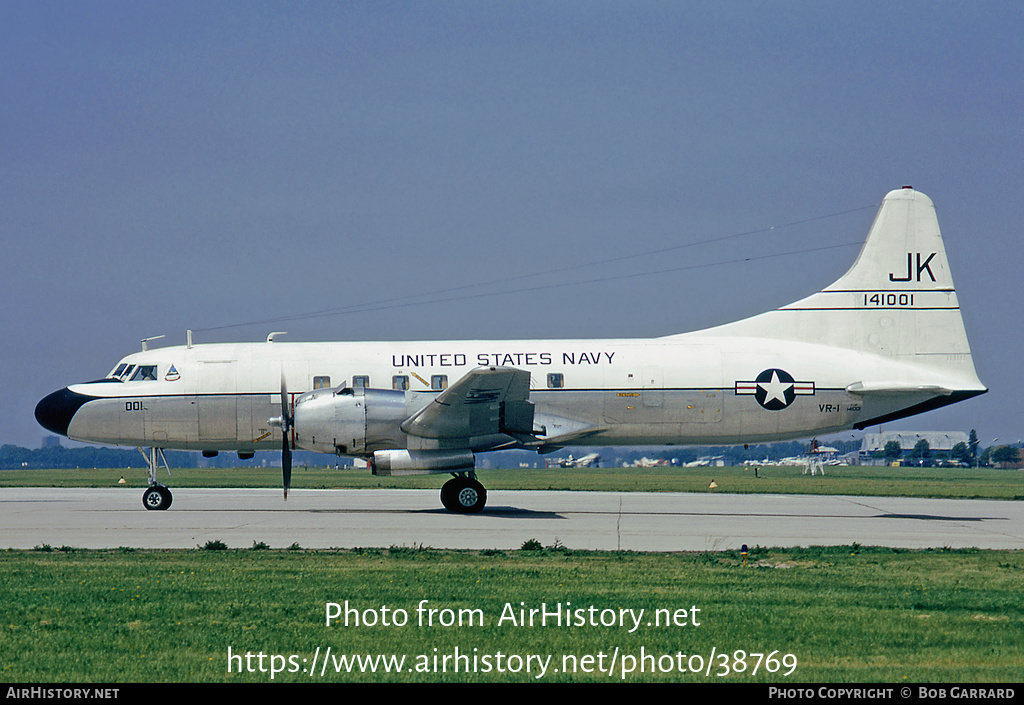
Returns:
<point x="556" y="432"/>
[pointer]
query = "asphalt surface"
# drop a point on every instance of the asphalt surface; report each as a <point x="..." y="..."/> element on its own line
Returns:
<point x="112" y="518"/>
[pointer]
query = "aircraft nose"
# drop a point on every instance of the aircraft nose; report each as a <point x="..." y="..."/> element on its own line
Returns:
<point x="55" y="411"/>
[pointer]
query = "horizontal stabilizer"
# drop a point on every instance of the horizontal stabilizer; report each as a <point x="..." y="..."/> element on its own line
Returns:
<point x="892" y="388"/>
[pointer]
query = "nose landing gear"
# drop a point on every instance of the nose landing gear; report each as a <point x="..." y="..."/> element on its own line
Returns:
<point x="156" y="496"/>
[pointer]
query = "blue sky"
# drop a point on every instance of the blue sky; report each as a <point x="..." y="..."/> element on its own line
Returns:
<point x="196" y="165"/>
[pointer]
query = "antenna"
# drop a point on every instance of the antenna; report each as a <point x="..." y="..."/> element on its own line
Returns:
<point x="145" y="341"/>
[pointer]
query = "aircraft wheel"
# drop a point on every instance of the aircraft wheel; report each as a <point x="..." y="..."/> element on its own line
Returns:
<point x="447" y="500"/>
<point x="463" y="495"/>
<point x="156" y="497"/>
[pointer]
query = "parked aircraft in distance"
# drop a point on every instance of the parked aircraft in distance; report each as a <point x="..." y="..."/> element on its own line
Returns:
<point x="590" y="460"/>
<point x="883" y="342"/>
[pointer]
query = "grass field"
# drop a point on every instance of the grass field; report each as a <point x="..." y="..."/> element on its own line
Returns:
<point x="847" y="614"/>
<point x="966" y="483"/>
<point x="840" y="614"/>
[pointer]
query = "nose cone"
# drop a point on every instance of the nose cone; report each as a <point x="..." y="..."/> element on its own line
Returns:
<point x="55" y="411"/>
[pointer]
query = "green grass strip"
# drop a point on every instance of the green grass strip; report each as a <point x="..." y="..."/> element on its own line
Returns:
<point x="845" y="614"/>
<point x="965" y="483"/>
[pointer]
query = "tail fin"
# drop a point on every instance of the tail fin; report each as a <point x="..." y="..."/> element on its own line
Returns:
<point x="897" y="300"/>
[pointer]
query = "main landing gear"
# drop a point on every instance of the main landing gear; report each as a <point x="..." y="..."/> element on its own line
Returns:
<point x="156" y="496"/>
<point x="463" y="494"/>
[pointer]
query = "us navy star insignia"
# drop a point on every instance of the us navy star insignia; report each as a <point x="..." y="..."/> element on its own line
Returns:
<point x="775" y="389"/>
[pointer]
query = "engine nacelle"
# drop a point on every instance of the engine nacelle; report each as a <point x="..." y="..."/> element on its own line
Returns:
<point x="349" y="421"/>
<point x="421" y="462"/>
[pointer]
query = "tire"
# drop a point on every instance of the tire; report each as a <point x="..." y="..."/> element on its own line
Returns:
<point x="448" y="495"/>
<point x="156" y="498"/>
<point x="463" y="495"/>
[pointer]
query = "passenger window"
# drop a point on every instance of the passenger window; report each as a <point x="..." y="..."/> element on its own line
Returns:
<point x="439" y="381"/>
<point x="321" y="382"/>
<point x="360" y="381"/>
<point x="555" y="380"/>
<point x="400" y="382"/>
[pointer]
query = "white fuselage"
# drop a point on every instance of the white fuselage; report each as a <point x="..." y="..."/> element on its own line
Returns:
<point x="679" y="390"/>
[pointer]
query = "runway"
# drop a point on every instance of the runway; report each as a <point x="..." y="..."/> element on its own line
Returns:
<point x="634" y="521"/>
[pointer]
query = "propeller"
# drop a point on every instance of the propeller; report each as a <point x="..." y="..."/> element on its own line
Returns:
<point x="284" y="422"/>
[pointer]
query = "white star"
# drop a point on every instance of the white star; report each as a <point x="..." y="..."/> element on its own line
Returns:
<point x="775" y="389"/>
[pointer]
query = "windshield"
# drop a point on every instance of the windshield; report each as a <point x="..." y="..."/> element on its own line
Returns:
<point x="127" y="372"/>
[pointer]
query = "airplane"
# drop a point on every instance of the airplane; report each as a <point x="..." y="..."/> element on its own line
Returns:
<point x="883" y="342"/>
<point x="587" y="461"/>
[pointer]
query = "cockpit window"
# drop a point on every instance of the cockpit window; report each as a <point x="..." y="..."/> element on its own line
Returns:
<point x="144" y="372"/>
<point x="116" y="374"/>
<point x="127" y="372"/>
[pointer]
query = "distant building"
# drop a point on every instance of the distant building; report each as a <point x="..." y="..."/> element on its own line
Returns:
<point x="51" y="442"/>
<point x="941" y="442"/>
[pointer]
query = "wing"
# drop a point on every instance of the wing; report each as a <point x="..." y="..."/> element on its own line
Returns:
<point x="487" y="401"/>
